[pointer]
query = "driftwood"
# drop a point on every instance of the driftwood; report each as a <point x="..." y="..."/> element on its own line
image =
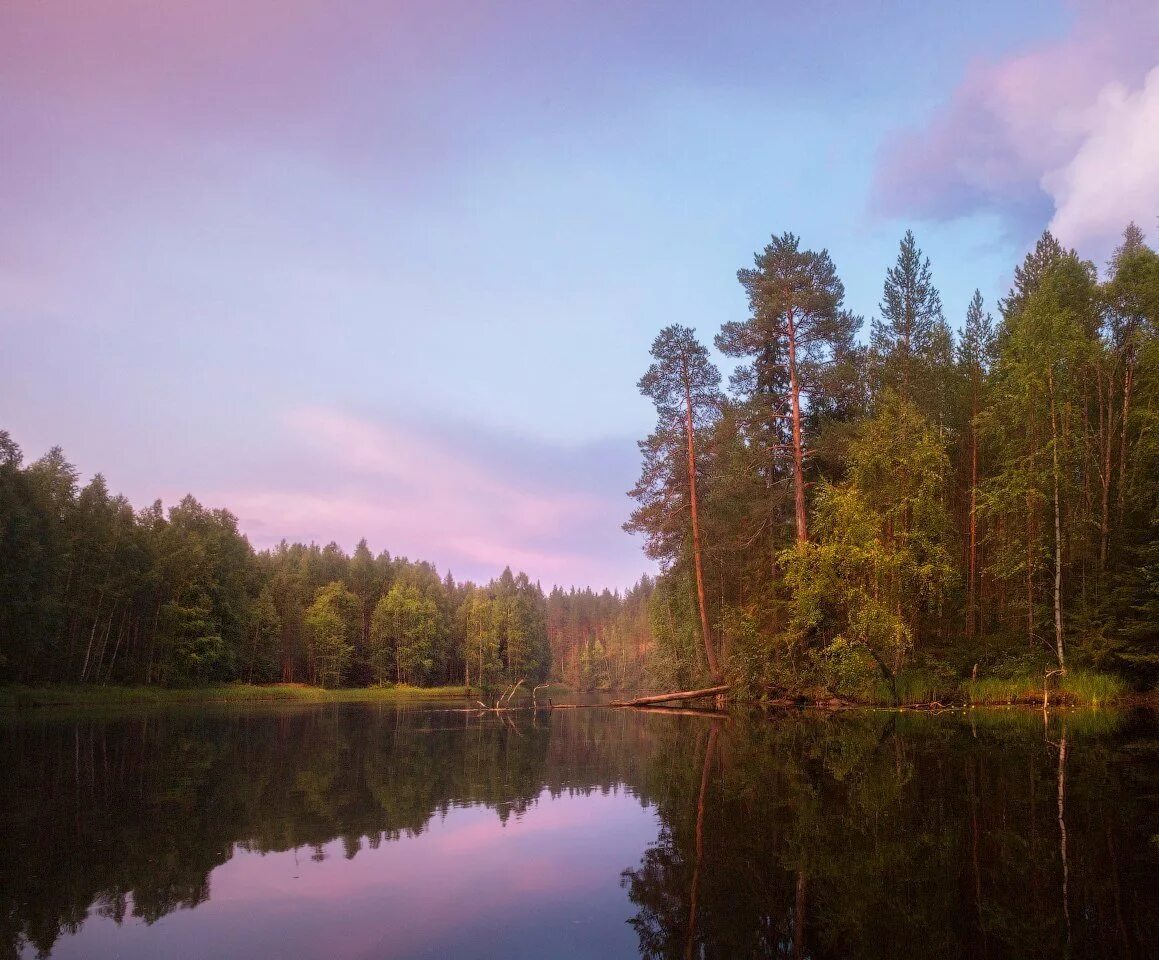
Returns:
<point x="668" y="697"/>
<point x="503" y="703"/>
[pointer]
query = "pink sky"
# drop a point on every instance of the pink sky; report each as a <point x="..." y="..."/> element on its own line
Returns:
<point x="391" y="269"/>
<point x="468" y="881"/>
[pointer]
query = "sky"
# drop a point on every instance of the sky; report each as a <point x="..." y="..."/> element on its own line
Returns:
<point x="391" y="268"/>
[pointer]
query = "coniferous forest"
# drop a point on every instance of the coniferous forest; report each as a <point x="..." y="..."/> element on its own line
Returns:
<point x="93" y="591"/>
<point x="949" y="493"/>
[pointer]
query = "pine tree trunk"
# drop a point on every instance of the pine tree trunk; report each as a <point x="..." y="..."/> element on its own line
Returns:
<point x="689" y="434"/>
<point x="971" y="585"/>
<point x="1057" y="530"/>
<point x="1106" y="441"/>
<point x="1029" y="570"/>
<point x="1128" y="381"/>
<point x="798" y="449"/>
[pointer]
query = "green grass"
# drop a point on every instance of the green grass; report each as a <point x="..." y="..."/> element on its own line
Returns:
<point x="1089" y="686"/>
<point x="19" y="696"/>
<point x="997" y="690"/>
<point x="1014" y="685"/>
<point x="1086" y="687"/>
<point x="917" y="686"/>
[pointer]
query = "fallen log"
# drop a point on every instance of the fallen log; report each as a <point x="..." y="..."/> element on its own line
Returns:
<point x="667" y="697"/>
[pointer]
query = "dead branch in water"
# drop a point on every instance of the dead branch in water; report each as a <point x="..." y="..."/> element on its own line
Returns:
<point x="510" y="693"/>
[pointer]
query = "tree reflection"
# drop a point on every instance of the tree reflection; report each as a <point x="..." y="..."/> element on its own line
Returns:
<point x="880" y="836"/>
<point x="861" y="835"/>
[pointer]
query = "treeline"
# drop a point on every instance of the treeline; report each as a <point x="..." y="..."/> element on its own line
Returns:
<point x="847" y="514"/>
<point x="601" y="640"/>
<point x="842" y="517"/>
<point x="93" y="591"/>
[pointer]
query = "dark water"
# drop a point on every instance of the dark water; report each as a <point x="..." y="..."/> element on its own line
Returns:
<point x="360" y="832"/>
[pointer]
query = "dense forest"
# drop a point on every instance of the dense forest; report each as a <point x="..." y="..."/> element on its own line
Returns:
<point x="93" y="591"/>
<point x="854" y="516"/>
<point x="846" y="515"/>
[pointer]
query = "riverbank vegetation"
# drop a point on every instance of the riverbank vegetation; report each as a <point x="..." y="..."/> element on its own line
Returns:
<point x="917" y="514"/>
<point x="922" y="516"/>
<point x="81" y="695"/>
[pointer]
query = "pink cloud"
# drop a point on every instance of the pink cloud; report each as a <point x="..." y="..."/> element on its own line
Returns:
<point x="416" y="492"/>
<point x="1013" y="124"/>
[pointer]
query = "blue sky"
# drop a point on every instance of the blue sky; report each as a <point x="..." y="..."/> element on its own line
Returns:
<point x="393" y="269"/>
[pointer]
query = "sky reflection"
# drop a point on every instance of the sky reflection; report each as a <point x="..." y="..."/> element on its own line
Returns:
<point x="546" y="882"/>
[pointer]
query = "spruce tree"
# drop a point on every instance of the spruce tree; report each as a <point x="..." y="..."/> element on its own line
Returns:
<point x="910" y="343"/>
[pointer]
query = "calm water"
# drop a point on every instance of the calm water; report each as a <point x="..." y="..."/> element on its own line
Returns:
<point x="367" y="832"/>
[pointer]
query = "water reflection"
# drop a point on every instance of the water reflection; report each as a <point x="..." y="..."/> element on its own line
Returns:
<point x="367" y="832"/>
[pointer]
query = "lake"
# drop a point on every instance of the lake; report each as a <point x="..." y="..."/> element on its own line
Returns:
<point x="369" y="831"/>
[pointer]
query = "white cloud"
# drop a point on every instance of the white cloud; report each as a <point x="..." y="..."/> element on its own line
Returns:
<point x="1113" y="177"/>
<point x="1065" y="130"/>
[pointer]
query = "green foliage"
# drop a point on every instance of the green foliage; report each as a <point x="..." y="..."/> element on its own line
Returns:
<point x="677" y="655"/>
<point x="620" y="624"/>
<point x="990" y="501"/>
<point x="403" y="634"/>
<point x="92" y="591"/>
<point x="880" y="561"/>
<point x="332" y="621"/>
<point x="911" y="344"/>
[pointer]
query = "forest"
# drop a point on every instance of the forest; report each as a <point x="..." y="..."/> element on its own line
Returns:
<point x="93" y="591"/>
<point x="878" y="517"/>
<point x="894" y="516"/>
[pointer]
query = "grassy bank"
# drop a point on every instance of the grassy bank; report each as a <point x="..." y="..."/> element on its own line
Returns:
<point x="18" y="696"/>
<point x="1077" y="688"/>
<point x="1084" y="687"/>
<point x="914" y="688"/>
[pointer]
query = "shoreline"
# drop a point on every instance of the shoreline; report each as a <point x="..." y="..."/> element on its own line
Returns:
<point x="18" y="697"/>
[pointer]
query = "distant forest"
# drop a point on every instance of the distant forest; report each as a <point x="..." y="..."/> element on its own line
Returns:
<point x="93" y="591"/>
<point x="843" y="516"/>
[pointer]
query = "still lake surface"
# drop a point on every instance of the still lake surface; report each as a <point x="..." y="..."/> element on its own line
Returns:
<point x="364" y="831"/>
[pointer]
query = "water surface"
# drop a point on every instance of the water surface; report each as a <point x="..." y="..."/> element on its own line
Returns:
<point x="362" y="831"/>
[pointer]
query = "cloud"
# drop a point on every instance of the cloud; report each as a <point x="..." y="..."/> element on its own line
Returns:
<point x="418" y="491"/>
<point x="1031" y="135"/>
<point x="1113" y="177"/>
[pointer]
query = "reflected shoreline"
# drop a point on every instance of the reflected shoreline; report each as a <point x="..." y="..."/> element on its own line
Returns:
<point x="859" y="834"/>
